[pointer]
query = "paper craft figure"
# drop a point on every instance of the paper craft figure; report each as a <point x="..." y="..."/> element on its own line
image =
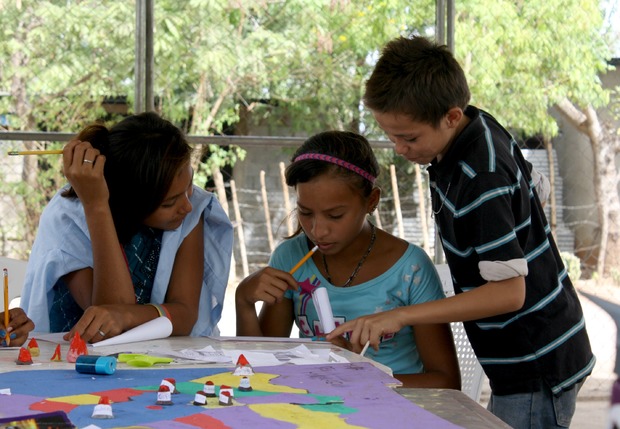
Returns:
<point x="33" y="346"/>
<point x="164" y="397"/>
<point x="200" y="398"/>
<point x="24" y="358"/>
<point x="77" y="347"/>
<point x="224" y="388"/>
<point x="243" y="367"/>
<point x="244" y="385"/>
<point x="103" y="410"/>
<point x="56" y="357"/>
<point x="209" y="389"/>
<point x="225" y="398"/>
<point x="171" y="383"/>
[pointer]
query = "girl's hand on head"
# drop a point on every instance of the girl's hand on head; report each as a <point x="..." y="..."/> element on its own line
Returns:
<point x="368" y="328"/>
<point x="83" y="168"/>
<point x="99" y="322"/>
<point x="19" y="327"/>
<point x="267" y="285"/>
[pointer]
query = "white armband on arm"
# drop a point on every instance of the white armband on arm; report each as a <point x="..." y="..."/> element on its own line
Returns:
<point x="542" y="185"/>
<point x="496" y="271"/>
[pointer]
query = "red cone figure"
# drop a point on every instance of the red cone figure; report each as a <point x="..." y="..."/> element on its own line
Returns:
<point x="56" y="357"/>
<point x="33" y="346"/>
<point x="77" y="347"/>
<point x="24" y="358"/>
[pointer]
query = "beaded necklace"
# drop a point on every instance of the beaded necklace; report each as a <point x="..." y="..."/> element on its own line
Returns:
<point x="360" y="263"/>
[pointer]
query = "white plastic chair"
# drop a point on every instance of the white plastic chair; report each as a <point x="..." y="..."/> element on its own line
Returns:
<point x="17" y="273"/>
<point x="472" y="375"/>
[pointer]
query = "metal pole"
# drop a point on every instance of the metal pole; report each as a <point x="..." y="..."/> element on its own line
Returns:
<point x="144" y="57"/>
<point x="450" y="25"/>
<point x="444" y="34"/>
<point x="440" y="21"/>
<point x="139" y="71"/>
<point x="149" y="61"/>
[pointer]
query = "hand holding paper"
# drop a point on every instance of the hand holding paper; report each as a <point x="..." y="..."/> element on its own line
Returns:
<point x="151" y="330"/>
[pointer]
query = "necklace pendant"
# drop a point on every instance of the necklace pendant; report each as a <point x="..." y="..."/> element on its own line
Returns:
<point x="359" y="264"/>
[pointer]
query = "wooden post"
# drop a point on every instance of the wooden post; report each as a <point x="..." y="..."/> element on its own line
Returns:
<point x="242" y="249"/>
<point x="287" y="202"/>
<point x="553" y="218"/>
<point x="399" y="214"/>
<point x="263" y="190"/>
<point x="220" y="189"/>
<point x="423" y="218"/>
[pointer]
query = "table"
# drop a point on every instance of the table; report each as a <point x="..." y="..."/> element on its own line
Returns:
<point x="454" y="406"/>
<point x="451" y="405"/>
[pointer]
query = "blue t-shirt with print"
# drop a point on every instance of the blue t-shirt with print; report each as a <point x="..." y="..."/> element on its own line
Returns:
<point x="411" y="280"/>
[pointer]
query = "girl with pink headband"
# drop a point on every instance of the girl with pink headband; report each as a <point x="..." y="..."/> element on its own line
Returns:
<point x="363" y="268"/>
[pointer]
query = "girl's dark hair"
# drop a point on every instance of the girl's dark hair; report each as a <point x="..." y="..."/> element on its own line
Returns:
<point x="143" y="153"/>
<point x="347" y="146"/>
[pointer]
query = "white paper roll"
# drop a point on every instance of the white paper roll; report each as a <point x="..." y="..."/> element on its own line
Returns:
<point x="324" y="309"/>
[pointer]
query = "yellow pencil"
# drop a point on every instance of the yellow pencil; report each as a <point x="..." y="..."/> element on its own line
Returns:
<point x="7" y="337"/>
<point x="303" y="260"/>
<point x="36" y="152"/>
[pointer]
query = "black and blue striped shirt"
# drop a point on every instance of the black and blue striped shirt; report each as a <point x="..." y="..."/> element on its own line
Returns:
<point x="487" y="210"/>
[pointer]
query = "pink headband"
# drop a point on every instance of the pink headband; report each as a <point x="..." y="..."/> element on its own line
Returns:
<point x="344" y="164"/>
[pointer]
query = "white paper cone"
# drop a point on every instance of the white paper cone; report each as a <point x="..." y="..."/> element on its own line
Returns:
<point x="324" y="309"/>
<point x="151" y="330"/>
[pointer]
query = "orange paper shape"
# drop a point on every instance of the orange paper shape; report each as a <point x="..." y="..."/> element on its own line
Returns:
<point x="56" y="357"/>
<point x="77" y="347"/>
<point x="24" y="358"/>
<point x="33" y="346"/>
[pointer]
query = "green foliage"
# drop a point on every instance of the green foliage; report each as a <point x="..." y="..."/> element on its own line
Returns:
<point x="297" y="66"/>
<point x="522" y="57"/>
<point x="572" y="264"/>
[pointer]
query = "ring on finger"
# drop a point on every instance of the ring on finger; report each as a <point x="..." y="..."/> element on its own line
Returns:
<point x="101" y="333"/>
<point x="88" y="160"/>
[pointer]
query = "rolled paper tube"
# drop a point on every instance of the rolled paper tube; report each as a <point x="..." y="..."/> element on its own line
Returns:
<point x="324" y="309"/>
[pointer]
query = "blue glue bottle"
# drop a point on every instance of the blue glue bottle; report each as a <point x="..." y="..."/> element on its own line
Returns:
<point x="103" y="365"/>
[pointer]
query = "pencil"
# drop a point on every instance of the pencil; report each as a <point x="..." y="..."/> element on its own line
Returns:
<point x="303" y="260"/>
<point x="36" y="152"/>
<point x="363" y="352"/>
<point x="5" y="272"/>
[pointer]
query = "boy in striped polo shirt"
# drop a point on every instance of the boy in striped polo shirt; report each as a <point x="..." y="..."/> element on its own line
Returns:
<point x="519" y="307"/>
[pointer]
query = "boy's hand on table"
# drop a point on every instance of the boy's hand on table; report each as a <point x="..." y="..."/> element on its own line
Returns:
<point x="368" y="328"/>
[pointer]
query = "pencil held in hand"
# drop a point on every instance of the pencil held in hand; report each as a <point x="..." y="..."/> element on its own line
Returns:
<point x="7" y="338"/>
<point x="36" y="152"/>
<point x="303" y="260"/>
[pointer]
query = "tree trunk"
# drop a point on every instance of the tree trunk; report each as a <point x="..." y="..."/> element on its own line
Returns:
<point x="606" y="178"/>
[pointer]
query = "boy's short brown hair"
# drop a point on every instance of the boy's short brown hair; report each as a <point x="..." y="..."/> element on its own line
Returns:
<point x="418" y="78"/>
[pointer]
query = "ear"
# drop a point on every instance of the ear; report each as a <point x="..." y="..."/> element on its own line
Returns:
<point x="454" y="116"/>
<point x="373" y="200"/>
